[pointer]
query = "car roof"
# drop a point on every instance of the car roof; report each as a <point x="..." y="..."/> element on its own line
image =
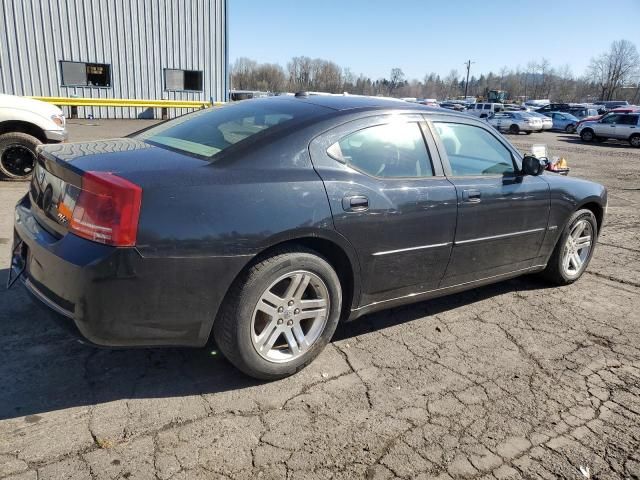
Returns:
<point x="347" y="103"/>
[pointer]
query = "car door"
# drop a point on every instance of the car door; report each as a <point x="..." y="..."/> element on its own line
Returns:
<point x="502" y="215"/>
<point x="389" y="197"/>
<point x="607" y="126"/>
<point x="627" y="126"/>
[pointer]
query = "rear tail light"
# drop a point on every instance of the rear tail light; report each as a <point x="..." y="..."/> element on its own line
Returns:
<point x="107" y="209"/>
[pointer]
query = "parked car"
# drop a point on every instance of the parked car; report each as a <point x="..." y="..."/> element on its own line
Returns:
<point x="629" y="109"/>
<point x="583" y="112"/>
<point x="563" y="121"/>
<point x="547" y="123"/>
<point x="264" y="223"/>
<point x="24" y="124"/>
<point x="453" y="106"/>
<point x="611" y="104"/>
<point x="554" y="107"/>
<point x="515" y="122"/>
<point x="483" y="110"/>
<point x="619" y="126"/>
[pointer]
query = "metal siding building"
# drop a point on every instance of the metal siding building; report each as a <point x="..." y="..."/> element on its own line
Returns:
<point x="134" y="41"/>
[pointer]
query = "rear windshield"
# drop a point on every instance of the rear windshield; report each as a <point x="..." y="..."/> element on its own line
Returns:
<point x="208" y="132"/>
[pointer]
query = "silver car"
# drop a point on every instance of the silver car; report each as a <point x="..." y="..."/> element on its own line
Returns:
<point x="620" y="126"/>
<point x="547" y="123"/>
<point x="515" y="122"/>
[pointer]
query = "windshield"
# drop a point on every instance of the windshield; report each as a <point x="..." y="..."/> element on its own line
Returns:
<point x="208" y="132"/>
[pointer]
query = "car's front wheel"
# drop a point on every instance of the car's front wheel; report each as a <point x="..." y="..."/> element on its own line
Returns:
<point x="587" y="135"/>
<point x="574" y="249"/>
<point x="514" y="129"/>
<point x="280" y="314"/>
<point x="17" y="155"/>
<point x="570" y="128"/>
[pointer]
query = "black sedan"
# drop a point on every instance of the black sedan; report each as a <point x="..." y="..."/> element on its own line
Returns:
<point x="265" y="223"/>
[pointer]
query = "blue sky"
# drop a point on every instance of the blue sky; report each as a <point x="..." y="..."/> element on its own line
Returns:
<point x="373" y="36"/>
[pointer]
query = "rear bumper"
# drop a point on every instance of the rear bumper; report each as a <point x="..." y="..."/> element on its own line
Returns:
<point x="115" y="297"/>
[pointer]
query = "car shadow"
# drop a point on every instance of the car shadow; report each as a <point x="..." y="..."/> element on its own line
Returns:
<point x="575" y="140"/>
<point x="44" y="369"/>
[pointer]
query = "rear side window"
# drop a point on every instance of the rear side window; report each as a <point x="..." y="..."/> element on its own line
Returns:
<point x="390" y="150"/>
<point x="487" y="107"/>
<point x="208" y="132"/>
<point x="629" y="119"/>
<point x="473" y="150"/>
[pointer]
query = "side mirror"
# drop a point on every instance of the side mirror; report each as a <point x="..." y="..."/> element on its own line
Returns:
<point x="532" y="165"/>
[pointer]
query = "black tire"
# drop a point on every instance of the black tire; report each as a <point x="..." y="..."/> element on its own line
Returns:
<point x="601" y="139"/>
<point x="570" y="128"/>
<point x="554" y="271"/>
<point x="232" y="329"/>
<point x="514" y="129"/>
<point x="634" y="140"/>
<point x="587" y="135"/>
<point x="17" y="155"/>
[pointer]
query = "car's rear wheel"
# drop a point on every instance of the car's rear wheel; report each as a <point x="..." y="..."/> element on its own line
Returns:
<point x="574" y="249"/>
<point x="587" y="135"/>
<point x="280" y="314"/>
<point x="634" y="140"/>
<point x="17" y="155"/>
<point x="514" y="129"/>
<point x="570" y="128"/>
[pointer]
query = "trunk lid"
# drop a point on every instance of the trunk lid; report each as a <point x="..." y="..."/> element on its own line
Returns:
<point x="57" y="177"/>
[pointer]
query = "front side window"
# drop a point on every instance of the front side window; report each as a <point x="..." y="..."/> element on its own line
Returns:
<point x="473" y="150"/>
<point x="390" y="150"/>
<point x="85" y="74"/>
<point x="611" y="119"/>
<point x="208" y="132"/>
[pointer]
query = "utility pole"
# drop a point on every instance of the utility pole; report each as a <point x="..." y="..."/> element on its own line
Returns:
<point x="466" y="85"/>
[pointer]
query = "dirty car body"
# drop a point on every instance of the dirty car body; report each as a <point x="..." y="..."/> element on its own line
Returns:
<point x="394" y="234"/>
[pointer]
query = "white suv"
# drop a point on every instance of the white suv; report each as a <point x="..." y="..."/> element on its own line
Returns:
<point x="621" y="126"/>
<point x="484" y="110"/>
<point x="24" y="124"/>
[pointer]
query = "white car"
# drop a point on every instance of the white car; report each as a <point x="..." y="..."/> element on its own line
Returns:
<point x="547" y="123"/>
<point x="515" y="122"/>
<point x="24" y="124"/>
<point x="484" y="110"/>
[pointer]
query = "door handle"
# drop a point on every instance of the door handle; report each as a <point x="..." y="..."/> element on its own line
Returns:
<point x="471" y="196"/>
<point x="355" y="203"/>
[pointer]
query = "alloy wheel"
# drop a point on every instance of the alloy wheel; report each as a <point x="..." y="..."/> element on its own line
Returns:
<point x="290" y="316"/>
<point x="577" y="248"/>
<point x="17" y="161"/>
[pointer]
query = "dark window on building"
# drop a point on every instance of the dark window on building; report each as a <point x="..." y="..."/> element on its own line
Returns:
<point x="175" y="79"/>
<point x="85" y="74"/>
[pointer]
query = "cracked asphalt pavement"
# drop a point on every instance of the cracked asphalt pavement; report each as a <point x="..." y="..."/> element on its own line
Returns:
<point x="514" y="380"/>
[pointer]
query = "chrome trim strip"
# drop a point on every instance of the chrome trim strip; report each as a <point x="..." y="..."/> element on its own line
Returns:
<point x="401" y="250"/>
<point x="552" y="227"/>
<point x="48" y="302"/>
<point x="417" y="294"/>
<point x="496" y="237"/>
